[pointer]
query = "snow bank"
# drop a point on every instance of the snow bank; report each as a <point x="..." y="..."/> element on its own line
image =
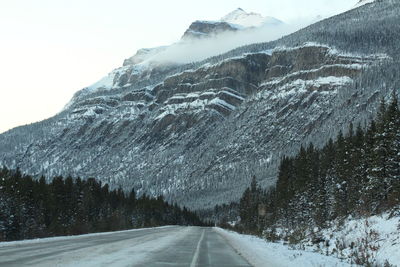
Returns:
<point x="381" y="234"/>
<point x="374" y="239"/>
<point x="261" y="253"/>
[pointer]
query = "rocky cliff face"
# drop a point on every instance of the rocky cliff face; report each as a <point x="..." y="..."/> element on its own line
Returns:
<point x="204" y="29"/>
<point x="197" y="133"/>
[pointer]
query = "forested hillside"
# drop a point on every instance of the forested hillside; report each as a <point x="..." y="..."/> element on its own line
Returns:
<point x="183" y="131"/>
<point x="31" y="208"/>
<point x="355" y="176"/>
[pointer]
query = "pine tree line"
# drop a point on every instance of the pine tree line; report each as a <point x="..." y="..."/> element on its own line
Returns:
<point x="358" y="174"/>
<point x="32" y="208"/>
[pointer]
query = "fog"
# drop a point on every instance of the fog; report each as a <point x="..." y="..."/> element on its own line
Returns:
<point x="198" y="49"/>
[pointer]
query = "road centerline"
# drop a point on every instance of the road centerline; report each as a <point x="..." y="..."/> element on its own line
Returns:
<point x="196" y="254"/>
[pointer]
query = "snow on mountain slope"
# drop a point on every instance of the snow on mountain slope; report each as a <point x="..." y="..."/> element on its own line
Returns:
<point x="158" y="138"/>
<point x="242" y="18"/>
<point x="143" y="55"/>
<point x="364" y="2"/>
<point x="197" y="131"/>
<point x="201" y="40"/>
<point x="237" y="21"/>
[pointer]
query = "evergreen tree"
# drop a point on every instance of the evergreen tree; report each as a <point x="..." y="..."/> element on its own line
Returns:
<point x="32" y="208"/>
<point x="357" y="174"/>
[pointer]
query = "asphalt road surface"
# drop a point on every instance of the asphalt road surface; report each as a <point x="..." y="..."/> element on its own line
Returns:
<point x="169" y="246"/>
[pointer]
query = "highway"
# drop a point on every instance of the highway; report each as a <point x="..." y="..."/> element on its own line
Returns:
<point x="165" y="246"/>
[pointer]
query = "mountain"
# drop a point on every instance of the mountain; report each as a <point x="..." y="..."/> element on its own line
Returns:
<point x="202" y="29"/>
<point x="198" y="132"/>
<point x="232" y="22"/>
<point x="244" y="19"/>
<point x="143" y="55"/>
<point x="364" y="2"/>
<point x="203" y="34"/>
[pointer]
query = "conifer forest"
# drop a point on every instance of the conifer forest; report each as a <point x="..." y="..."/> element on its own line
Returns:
<point x="357" y="174"/>
<point x="32" y="208"/>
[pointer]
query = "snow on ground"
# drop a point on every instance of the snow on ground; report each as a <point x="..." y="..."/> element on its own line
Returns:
<point x="345" y="242"/>
<point x="381" y="234"/>
<point x="262" y="253"/>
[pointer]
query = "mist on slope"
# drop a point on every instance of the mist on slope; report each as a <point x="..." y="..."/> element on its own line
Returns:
<point x="198" y="49"/>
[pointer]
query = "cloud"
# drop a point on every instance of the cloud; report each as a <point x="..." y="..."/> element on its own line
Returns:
<point x="199" y="49"/>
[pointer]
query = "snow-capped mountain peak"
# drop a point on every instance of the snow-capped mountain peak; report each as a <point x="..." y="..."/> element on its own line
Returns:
<point x="242" y="18"/>
<point x="235" y="14"/>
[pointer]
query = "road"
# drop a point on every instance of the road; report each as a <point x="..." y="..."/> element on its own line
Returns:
<point x="169" y="246"/>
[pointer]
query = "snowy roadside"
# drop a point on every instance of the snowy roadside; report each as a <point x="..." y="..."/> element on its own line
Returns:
<point x="375" y="236"/>
<point x="259" y="252"/>
<point x="62" y="238"/>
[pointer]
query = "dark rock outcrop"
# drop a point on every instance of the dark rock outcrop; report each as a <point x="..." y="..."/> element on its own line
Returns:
<point x="202" y="29"/>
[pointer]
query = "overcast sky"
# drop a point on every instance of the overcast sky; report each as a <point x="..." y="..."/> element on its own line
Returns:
<point x="49" y="49"/>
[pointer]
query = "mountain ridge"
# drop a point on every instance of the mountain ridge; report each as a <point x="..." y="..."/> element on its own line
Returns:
<point x="209" y="29"/>
<point x="244" y="19"/>
<point x="184" y="130"/>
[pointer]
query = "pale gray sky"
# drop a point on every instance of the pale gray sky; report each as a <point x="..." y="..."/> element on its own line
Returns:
<point x="49" y="49"/>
